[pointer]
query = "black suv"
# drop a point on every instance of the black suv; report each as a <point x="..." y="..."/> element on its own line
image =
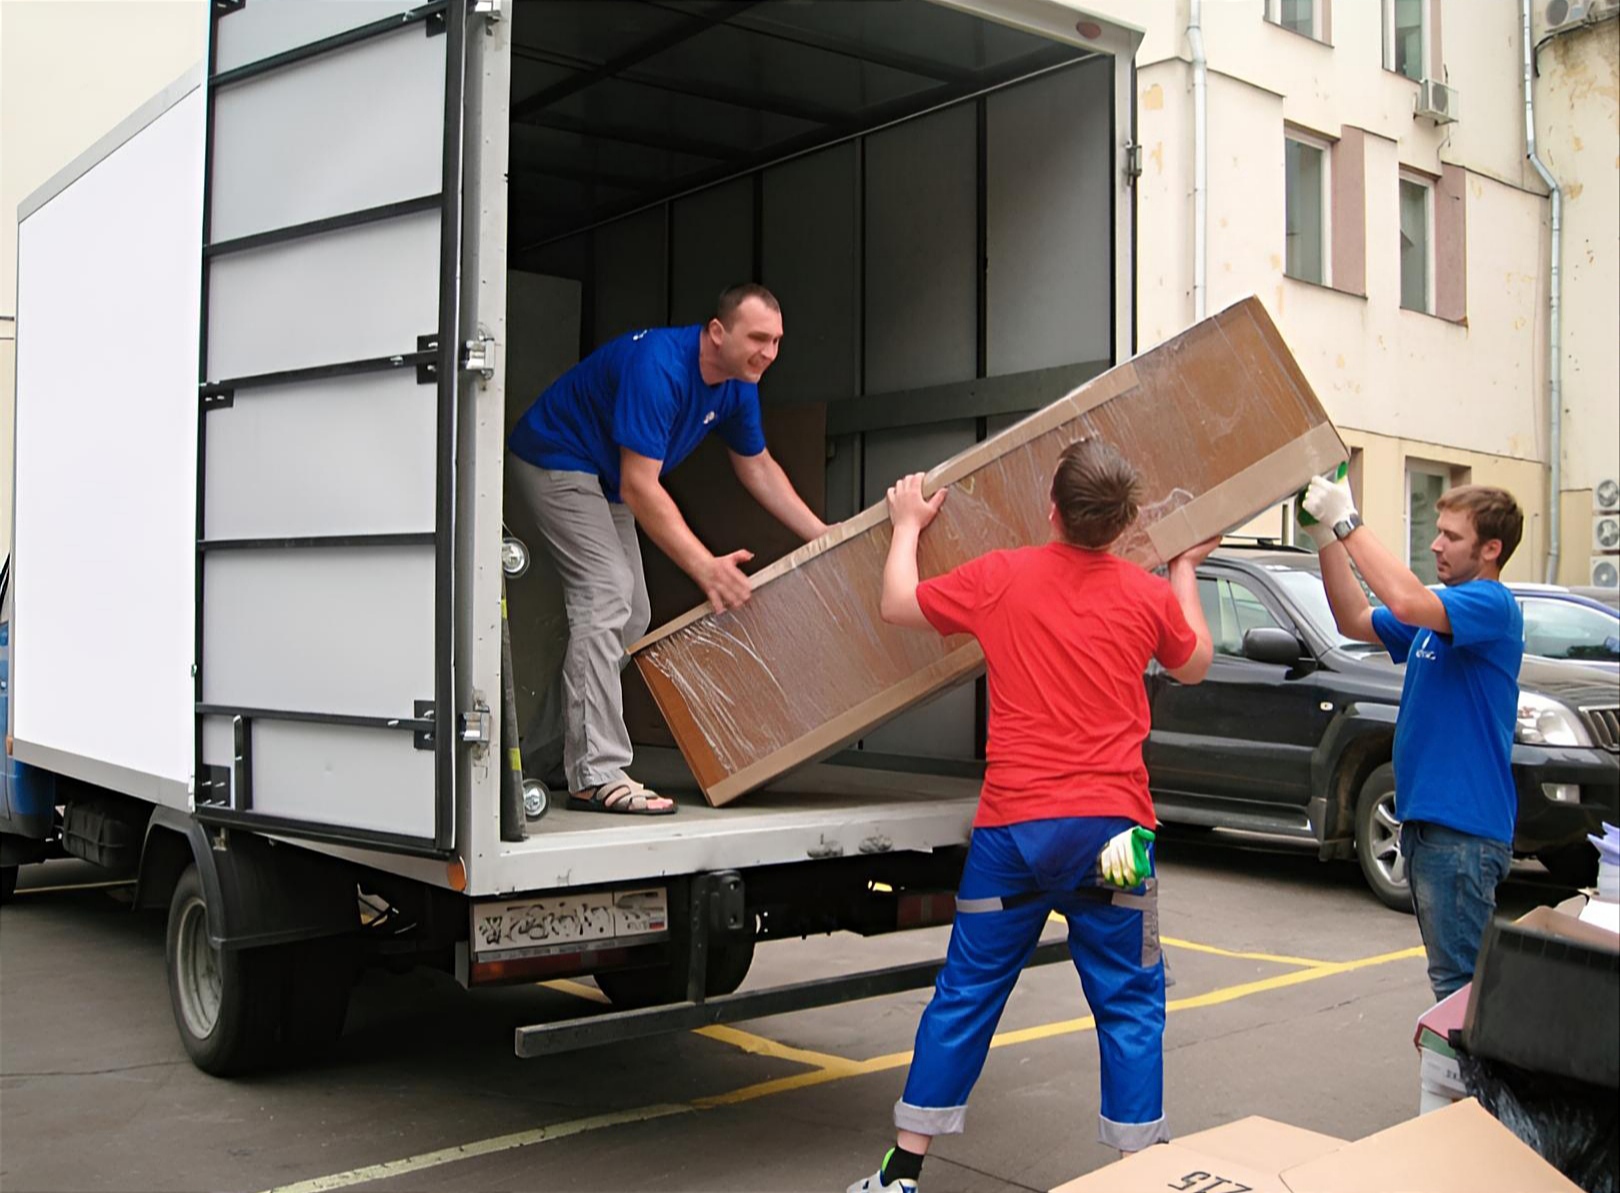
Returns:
<point x="1293" y="731"/>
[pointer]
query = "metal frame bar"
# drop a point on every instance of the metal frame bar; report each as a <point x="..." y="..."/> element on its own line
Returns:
<point x="300" y="542"/>
<point x="405" y="724"/>
<point x="650" y="48"/>
<point x="549" y="1039"/>
<point x="325" y="45"/>
<point x="331" y="223"/>
<point x="449" y="379"/>
<point x="347" y="368"/>
<point x="258" y="822"/>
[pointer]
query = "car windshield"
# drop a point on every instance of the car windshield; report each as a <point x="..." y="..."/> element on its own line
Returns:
<point x="1557" y="629"/>
<point x="1307" y="592"/>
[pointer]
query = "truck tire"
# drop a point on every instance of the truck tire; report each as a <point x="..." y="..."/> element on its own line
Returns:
<point x="1378" y="840"/>
<point x="729" y="959"/>
<point x="227" y="1002"/>
<point x="8" y="883"/>
<point x="1573" y="865"/>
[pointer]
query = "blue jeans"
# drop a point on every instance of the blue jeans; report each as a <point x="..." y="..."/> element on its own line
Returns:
<point x="1453" y="877"/>
<point x="1015" y="877"/>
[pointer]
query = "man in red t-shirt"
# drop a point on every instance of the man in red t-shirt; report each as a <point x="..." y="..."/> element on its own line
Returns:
<point x="1067" y="631"/>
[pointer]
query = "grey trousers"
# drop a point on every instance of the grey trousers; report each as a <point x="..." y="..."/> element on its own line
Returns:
<point x="593" y="544"/>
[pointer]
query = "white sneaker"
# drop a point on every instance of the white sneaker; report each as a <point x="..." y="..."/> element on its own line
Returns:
<point x="874" y="1184"/>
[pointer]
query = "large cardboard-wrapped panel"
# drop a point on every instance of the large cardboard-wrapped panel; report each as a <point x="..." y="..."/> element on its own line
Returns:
<point x="1219" y="421"/>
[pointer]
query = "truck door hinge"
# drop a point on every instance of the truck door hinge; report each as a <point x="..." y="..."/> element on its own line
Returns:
<point x="1133" y="162"/>
<point x="475" y="725"/>
<point x="480" y="357"/>
<point x="490" y="9"/>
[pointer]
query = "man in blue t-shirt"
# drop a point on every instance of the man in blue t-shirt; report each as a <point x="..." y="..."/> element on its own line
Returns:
<point x="1462" y="646"/>
<point x="593" y="448"/>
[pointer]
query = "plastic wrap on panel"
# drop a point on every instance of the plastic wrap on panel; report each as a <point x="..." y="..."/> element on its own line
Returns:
<point x="1219" y="421"/>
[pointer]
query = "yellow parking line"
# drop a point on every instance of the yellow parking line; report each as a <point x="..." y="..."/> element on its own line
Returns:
<point x="484" y="1147"/>
<point x="1195" y="947"/>
<point x="578" y="989"/>
<point x="832" y="1068"/>
<point x="763" y="1046"/>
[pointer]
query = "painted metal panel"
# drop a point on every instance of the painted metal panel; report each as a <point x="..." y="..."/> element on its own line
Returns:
<point x="321" y="630"/>
<point x="921" y="231"/>
<point x="944" y="727"/>
<point x="711" y="247"/>
<point x="366" y="127"/>
<point x="811" y="249"/>
<point x="630" y="288"/>
<point x="282" y="462"/>
<point x="360" y="293"/>
<point x="104" y="538"/>
<point x="267" y="27"/>
<point x="337" y="775"/>
<point x="1049" y="220"/>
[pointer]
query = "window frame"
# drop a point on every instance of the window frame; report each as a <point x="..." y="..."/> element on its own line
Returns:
<point x="1324" y="147"/>
<point x="1273" y="15"/>
<point x="1425" y="33"/>
<point x="1427" y="186"/>
<point x="1425" y="468"/>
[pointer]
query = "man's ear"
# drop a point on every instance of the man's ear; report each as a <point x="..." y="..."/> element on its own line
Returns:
<point x="716" y="330"/>
<point x="1491" y="550"/>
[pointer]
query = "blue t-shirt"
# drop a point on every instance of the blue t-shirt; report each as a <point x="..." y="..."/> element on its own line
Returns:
<point x="642" y="391"/>
<point x="1454" y="734"/>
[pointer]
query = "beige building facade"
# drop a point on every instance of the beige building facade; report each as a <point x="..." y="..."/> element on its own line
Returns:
<point x="1406" y="259"/>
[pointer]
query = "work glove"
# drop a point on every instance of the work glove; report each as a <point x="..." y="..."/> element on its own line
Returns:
<point x="1328" y="501"/>
<point x="1125" y="860"/>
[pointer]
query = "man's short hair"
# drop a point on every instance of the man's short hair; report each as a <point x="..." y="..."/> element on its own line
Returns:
<point x="1494" y="512"/>
<point x="732" y="297"/>
<point x="1096" y="492"/>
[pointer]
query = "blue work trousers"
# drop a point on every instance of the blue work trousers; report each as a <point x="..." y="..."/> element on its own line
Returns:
<point x="1015" y="877"/>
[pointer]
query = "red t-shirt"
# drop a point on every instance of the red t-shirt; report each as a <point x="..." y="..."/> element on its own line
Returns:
<point x="1067" y="634"/>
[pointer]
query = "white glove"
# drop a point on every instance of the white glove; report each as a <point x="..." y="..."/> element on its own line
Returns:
<point x="1118" y="859"/>
<point x="1329" y="502"/>
<point x="1320" y="535"/>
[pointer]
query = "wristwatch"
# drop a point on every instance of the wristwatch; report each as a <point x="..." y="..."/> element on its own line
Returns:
<point x="1343" y="527"/>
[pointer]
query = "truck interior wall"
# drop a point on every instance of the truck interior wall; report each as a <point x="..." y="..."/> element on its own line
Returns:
<point x="974" y="240"/>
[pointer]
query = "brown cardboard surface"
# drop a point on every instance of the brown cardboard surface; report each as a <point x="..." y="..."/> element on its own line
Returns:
<point x="1460" y="1149"/>
<point x="1248" y="1140"/>
<point x="1175" y="1166"/>
<point x="1556" y="922"/>
<point x="1219" y="422"/>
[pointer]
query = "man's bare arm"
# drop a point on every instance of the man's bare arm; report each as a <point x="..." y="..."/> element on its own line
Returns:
<point x="720" y="577"/>
<point x="763" y="477"/>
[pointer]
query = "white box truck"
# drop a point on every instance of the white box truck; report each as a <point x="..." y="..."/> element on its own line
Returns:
<point x="271" y="333"/>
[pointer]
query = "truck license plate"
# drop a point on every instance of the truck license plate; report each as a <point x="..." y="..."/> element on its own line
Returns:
<point x="561" y="923"/>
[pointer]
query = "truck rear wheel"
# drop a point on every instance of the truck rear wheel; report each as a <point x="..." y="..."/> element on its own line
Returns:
<point x="1378" y="840"/>
<point x="226" y="1002"/>
<point x="729" y="959"/>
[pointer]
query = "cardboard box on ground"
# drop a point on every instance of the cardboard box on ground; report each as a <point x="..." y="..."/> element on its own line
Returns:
<point x="1219" y="421"/>
<point x="1460" y="1149"/>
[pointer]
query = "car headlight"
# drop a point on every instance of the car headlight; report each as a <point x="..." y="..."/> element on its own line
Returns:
<point x="1544" y="722"/>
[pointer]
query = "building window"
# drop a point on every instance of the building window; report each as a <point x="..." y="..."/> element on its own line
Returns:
<point x="1305" y="239"/>
<point x="1424" y="485"/>
<point x="1417" y="222"/>
<point x="1406" y="37"/>
<point x="1301" y="16"/>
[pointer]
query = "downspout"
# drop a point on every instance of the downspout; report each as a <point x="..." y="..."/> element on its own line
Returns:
<point x="1195" y="42"/>
<point x="1555" y="401"/>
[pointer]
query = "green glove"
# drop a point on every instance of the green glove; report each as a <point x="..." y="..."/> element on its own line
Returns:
<point x="1306" y="519"/>
<point x="1125" y="861"/>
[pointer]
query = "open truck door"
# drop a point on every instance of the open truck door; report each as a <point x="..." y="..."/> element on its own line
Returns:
<point x="330" y="365"/>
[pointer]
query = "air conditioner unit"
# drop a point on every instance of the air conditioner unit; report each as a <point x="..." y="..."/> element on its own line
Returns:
<point x="1605" y="573"/>
<point x="1606" y="496"/>
<point x="1436" y="101"/>
<point x="1606" y="532"/>
<point x="1563" y="14"/>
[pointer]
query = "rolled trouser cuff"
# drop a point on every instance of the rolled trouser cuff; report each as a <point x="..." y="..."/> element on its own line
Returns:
<point x="930" y="1120"/>
<point x="1132" y="1137"/>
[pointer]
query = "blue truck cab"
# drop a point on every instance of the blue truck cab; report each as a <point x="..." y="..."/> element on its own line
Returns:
<point x="27" y="794"/>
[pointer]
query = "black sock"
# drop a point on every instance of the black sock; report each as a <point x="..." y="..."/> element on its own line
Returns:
<point x="900" y="1163"/>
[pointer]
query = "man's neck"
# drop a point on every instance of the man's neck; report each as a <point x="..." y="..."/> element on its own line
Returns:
<point x="709" y="367"/>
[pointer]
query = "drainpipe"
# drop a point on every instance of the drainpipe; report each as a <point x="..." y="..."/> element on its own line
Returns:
<point x="1555" y="400"/>
<point x="1195" y="42"/>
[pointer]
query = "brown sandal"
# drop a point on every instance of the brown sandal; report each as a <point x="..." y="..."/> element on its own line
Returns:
<point x="626" y="797"/>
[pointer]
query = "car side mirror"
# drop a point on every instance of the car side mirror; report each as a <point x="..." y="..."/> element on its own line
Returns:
<point x="1271" y="644"/>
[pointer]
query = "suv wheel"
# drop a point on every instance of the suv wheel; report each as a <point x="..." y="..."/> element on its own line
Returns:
<point x="1378" y="840"/>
